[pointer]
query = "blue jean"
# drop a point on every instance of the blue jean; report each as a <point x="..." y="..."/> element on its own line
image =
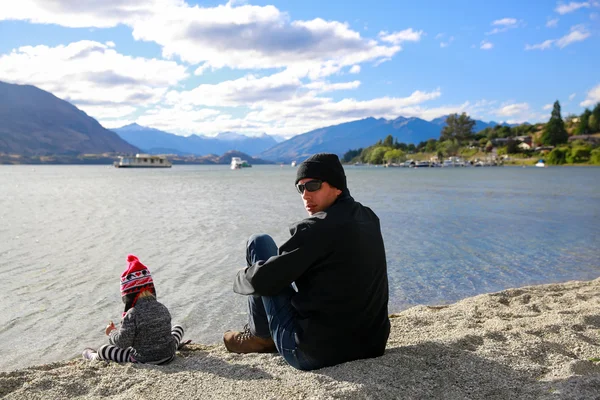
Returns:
<point x="274" y="316"/>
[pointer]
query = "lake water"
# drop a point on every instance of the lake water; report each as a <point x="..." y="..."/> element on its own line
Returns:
<point x="65" y="232"/>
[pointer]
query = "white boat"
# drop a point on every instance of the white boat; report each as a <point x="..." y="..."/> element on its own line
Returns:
<point x="540" y="164"/>
<point x="454" y="162"/>
<point x="143" y="161"/>
<point x="238" y="163"/>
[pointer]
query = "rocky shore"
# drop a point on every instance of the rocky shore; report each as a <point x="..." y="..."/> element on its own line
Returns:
<point x="536" y="342"/>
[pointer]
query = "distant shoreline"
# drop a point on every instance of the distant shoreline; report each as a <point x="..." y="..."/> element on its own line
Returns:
<point x="95" y="159"/>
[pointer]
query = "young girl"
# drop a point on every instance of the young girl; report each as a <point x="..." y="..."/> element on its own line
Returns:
<point x="145" y="334"/>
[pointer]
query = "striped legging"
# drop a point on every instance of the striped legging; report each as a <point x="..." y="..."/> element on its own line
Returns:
<point x="109" y="352"/>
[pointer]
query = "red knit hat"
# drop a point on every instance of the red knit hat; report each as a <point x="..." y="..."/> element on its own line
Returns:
<point x="135" y="279"/>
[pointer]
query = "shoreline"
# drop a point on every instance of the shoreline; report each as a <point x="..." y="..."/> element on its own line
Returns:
<point x="534" y="342"/>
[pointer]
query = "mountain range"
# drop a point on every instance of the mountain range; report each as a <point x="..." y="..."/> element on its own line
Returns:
<point x="35" y="122"/>
<point x="363" y="133"/>
<point x="155" y="141"/>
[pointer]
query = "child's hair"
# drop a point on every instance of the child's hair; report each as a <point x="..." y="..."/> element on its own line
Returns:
<point x="145" y="293"/>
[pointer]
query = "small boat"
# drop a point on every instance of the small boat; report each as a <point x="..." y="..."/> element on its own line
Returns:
<point x="294" y="163"/>
<point x="238" y="163"/>
<point x="422" y="164"/>
<point x="540" y="163"/>
<point x="143" y="161"/>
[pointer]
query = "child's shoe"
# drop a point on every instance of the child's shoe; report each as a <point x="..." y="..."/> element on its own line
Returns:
<point x="90" y="354"/>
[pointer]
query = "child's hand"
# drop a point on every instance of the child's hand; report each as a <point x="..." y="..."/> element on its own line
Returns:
<point x="109" y="328"/>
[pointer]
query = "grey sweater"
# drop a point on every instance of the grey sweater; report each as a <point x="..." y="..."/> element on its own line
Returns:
<point x="147" y="329"/>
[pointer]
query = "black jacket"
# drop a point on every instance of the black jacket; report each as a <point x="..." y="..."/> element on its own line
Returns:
<point x="337" y="260"/>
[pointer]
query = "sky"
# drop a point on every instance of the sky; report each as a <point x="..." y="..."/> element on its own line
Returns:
<point x="288" y="67"/>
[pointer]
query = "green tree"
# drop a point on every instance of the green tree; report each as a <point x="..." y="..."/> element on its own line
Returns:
<point x="376" y="156"/>
<point x="388" y="141"/>
<point x="579" y="154"/>
<point x="558" y="156"/>
<point x="459" y="127"/>
<point x="431" y="145"/>
<point x="450" y="147"/>
<point x="394" y="156"/>
<point x="594" y="122"/>
<point x="350" y="154"/>
<point x="595" y="156"/>
<point x="489" y="146"/>
<point x="411" y="148"/>
<point x="512" y="146"/>
<point x="583" y="127"/>
<point x="555" y="132"/>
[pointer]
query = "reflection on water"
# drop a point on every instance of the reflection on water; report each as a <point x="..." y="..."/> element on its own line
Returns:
<point x="65" y="232"/>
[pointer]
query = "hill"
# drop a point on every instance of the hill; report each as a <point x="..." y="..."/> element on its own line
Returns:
<point x="362" y="133"/>
<point x="35" y="122"/>
<point x="155" y="141"/>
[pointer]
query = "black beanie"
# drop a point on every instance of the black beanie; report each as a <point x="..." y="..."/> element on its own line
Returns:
<point x="323" y="166"/>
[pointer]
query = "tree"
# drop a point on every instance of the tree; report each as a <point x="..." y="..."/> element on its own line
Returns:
<point x="449" y="147"/>
<point x="350" y="154"/>
<point x="594" y="122"/>
<point x="555" y="132"/>
<point x="512" y="146"/>
<point x="431" y="145"/>
<point x="458" y="127"/>
<point x="388" y="141"/>
<point x="579" y="154"/>
<point x="583" y="127"/>
<point x="376" y="156"/>
<point x="489" y="146"/>
<point x="395" y="155"/>
<point x="558" y="156"/>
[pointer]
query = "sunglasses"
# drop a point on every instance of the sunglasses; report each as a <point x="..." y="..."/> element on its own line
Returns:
<point x="311" y="186"/>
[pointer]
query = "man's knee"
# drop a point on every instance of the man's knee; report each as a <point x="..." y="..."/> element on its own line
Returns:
<point x="261" y="239"/>
<point x="260" y="247"/>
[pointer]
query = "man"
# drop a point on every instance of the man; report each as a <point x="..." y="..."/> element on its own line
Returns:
<point x="321" y="298"/>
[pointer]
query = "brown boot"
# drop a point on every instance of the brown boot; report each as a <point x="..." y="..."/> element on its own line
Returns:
<point x="246" y="342"/>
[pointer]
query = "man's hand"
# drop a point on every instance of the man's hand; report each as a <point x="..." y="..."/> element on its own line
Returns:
<point x="109" y="328"/>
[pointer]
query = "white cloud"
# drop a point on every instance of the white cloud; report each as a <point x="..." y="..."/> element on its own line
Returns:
<point x="73" y="14"/>
<point x="552" y="23"/>
<point x="548" y="107"/>
<point x="355" y="69"/>
<point x="407" y="35"/>
<point x="447" y="43"/>
<point x="577" y="34"/>
<point x="238" y="37"/>
<point x="503" y="25"/>
<point x="485" y="45"/>
<point x="92" y="75"/>
<point x="512" y="110"/>
<point x="505" y="21"/>
<point x="572" y="96"/>
<point x="546" y="44"/>
<point x="592" y="98"/>
<point x="439" y="36"/>
<point x="572" y="6"/>
<point x="323" y="86"/>
<point x="514" y="113"/>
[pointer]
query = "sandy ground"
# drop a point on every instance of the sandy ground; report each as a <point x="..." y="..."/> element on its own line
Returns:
<point x="536" y="342"/>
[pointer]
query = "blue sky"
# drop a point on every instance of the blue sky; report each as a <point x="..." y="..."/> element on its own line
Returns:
<point x="285" y="68"/>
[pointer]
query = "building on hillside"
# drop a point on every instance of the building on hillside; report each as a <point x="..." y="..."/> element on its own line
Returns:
<point x="524" y="146"/>
<point x="586" y="138"/>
